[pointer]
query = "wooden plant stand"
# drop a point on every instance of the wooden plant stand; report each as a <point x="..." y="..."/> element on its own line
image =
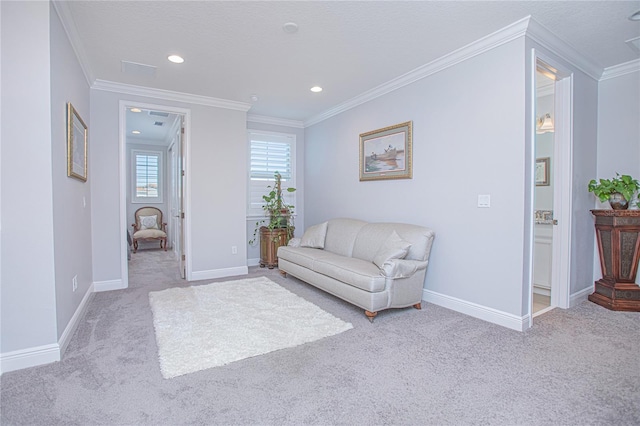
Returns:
<point x="618" y="235"/>
<point x="270" y="240"/>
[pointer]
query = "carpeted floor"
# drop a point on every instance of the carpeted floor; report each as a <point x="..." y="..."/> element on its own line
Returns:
<point x="432" y="367"/>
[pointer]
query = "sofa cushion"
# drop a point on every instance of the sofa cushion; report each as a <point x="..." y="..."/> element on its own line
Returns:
<point x="341" y="235"/>
<point x="355" y="272"/>
<point x="394" y="247"/>
<point x="314" y="236"/>
<point x="303" y="256"/>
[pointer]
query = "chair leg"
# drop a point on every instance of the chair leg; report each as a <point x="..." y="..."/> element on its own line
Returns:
<point x="135" y="246"/>
<point x="165" y="244"/>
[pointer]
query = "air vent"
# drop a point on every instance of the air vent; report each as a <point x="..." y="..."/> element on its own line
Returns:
<point x="135" y="68"/>
<point x="159" y="113"/>
<point x="158" y="123"/>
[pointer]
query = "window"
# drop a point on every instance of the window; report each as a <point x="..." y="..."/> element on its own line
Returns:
<point x="147" y="176"/>
<point x="270" y="153"/>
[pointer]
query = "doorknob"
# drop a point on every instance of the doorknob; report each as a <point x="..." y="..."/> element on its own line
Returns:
<point x="555" y="221"/>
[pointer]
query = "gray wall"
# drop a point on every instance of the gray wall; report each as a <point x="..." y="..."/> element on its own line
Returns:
<point x="253" y="251"/>
<point x="216" y="181"/>
<point x="71" y="197"/>
<point x="28" y="273"/>
<point x="618" y="134"/>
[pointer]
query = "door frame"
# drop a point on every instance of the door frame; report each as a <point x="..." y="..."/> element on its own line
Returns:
<point x="123" y="170"/>
<point x="562" y="167"/>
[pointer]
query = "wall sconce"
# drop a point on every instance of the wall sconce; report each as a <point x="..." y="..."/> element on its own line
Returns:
<point x="545" y="124"/>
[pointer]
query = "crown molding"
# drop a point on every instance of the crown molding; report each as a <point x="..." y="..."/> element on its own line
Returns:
<point x="275" y="121"/>
<point x="621" y="69"/>
<point x="66" y="18"/>
<point x="129" y="89"/>
<point x="491" y="41"/>
<point x="547" y="39"/>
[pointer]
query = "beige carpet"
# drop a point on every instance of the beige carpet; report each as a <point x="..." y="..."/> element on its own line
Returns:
<point x="211" y="325"/>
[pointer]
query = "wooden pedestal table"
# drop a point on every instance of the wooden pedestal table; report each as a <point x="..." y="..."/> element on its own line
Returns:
<point x="618" y="235"/>
<point x="270" y="240"/>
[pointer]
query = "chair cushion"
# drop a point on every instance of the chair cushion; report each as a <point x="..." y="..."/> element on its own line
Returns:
<point x="149" y="233"/>
<point x="148" y="222"/>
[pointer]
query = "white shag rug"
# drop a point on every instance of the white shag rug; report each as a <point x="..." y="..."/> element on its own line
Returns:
<point x="210" y="325"/>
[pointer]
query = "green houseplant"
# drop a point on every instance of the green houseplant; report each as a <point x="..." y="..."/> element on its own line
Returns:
<point x="280" y="214"/>
<point x="618" y="190"/>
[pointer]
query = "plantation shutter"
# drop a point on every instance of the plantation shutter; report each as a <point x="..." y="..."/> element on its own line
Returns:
<point x="269" y="153"/>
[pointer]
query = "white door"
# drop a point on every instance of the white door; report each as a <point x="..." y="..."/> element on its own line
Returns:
<point x="177" y="202"/>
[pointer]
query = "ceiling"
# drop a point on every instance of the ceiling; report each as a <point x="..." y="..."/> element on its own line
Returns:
<point x="236" y="49"/>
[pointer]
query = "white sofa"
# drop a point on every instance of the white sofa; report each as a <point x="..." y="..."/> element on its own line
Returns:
<point x="374" y="266"/>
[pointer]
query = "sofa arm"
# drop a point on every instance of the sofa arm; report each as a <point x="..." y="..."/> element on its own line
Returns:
<point x="402" y="268"/>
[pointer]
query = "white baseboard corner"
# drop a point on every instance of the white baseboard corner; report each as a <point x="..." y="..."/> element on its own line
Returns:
<point x="218" y="273"/>
<point x="31" y="357"/>
<point x="484" y="313"/>
<point x="99" y="286"/>
<point x="580" y="296"/>
<point x="253" y="261"/>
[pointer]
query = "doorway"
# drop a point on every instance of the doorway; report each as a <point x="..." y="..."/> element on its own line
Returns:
<point x="552" y="188"/>
<point x="153" y="146"/>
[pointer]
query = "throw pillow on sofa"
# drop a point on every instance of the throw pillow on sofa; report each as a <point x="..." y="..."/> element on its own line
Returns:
<point x="393" y="248"/>
<point x="314" y="236"/>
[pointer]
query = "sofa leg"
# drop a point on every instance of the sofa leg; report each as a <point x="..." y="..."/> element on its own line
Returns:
<point x="418" y="306"/>
<point x="370" y="315"/>
<point x="283" y="273"/>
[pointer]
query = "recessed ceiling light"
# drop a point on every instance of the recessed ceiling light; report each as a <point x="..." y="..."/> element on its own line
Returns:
<point x="175" y="59"/>
<point x="290" y="28"/>
<point x="136" y="110"/>
<point x="135" y="132"/>
<point x="254" y="98"/>
<point x="316" y="89"/>
<point x="635" y="16"/>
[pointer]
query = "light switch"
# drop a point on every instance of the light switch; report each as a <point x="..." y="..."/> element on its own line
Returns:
<point x="484" y="200"/>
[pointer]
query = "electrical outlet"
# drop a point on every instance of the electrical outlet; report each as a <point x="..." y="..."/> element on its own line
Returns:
<point x="234" y="250"/>
<point x="74" y="282"/>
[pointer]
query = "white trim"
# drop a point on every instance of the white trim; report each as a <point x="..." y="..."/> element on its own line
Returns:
<point x="169" y="95"/>
<point x="491" y="41"/>
<point x="71" y="327"/>
<point x="541" y="35"/>
<point x="621" y="69"/>
<point x="484" y="313"/>
<point x="219" y="273"/>
<point x="30" y="357"/>
<point x="108" y="285"/>
<point x="122" y="174"/>
<point x="66" y="18"/>
<point x="254" y="261"/>
<point x="580" y="296"/>
<point x="275" y="121"/>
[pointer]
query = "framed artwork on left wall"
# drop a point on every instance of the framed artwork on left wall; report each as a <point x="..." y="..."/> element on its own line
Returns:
<point x="76" y="145"/>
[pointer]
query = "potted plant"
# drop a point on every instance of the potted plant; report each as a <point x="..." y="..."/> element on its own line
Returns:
<point x="278" y="229"/>
<point x="618" y="191"/>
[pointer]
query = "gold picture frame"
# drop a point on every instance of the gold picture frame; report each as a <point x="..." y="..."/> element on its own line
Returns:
<point x="76" y="145"/>
<point x="387" y="153"/>
<point x="542" y="171"/>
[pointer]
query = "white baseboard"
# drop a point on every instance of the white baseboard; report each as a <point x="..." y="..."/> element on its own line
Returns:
<point x="543" y="291"/>
<point x="99" y="286"/>
<point x="218" y="273"/>
<point x="253" y="262"/>
<point x="31" y="357"/>
<point x="580" y="296"/>
<point x="71" y="327"/>
<point x="485" y="313"/>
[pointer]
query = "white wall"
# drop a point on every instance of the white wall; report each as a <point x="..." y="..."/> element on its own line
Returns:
<point x="253" y="251"/>
<point x="28" y="311"/>
<point x="71" y="197"/>
<point x="216" y="181"/>
<point x="468" y="139"/>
